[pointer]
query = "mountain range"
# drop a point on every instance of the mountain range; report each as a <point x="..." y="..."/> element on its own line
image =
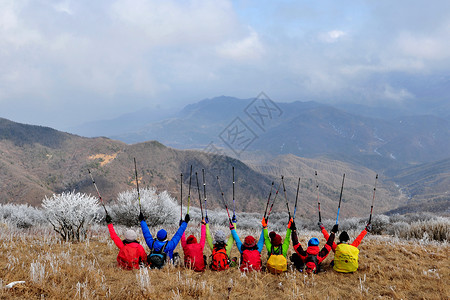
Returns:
<point x="36" y="162"/>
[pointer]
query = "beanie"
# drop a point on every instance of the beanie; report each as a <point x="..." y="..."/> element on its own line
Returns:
<point x="130" y="235"/>
<point x="272" y="234"/>
<point x="249" y="241"/>
<point x="161" y="235"/>
<point x="343" y="237"/>
<point x="191" y="240"/>
<point x="276" y="240"/>
<point x="219" y="237"/>
<point x="313" y="242"/>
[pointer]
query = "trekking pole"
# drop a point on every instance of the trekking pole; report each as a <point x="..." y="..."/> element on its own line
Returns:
<point x="296" y="197"/>
<point x="373" y="199"/>
<point x="318" y="202"/>
<point x="181" y="198"/>
<point x="285" y="197"/>
<point x="223" y="199"/>
<point x="189" y="193"/>
<point x="268" y="200"/>
<point x="340" y="199"/>
<point x="234" y="203"/>
<point x="137" y="185"/>
<point x="199" y="196"/>
<point x="204" y="192"/>
<point x="275" y="198"/>
<point x="98" y="193"/>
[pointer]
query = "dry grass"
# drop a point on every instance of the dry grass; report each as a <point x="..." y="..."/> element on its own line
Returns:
<point x="389" y="269"/>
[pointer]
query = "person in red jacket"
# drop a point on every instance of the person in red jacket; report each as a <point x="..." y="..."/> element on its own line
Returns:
<point x="193" y="251"/>
<point x="312" y="257"/>
<point x="131" y="253"/>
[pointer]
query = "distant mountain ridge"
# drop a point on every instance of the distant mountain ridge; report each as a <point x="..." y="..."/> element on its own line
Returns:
<point x="306" y="129"/>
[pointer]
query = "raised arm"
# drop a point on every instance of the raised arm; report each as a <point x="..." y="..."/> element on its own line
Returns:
<point x="261" y="241"/>
<point x="114" y="236"/>
<point x="236" y="238"/>
<point x="230" y="242"/>
<point x="209" y="237"/>
<point x="203" y="235"/>
<point x="172" y="244"/>
<point x="359" y="238"/>
<point x="326" y="235"/>
<point x="146" y="233"/>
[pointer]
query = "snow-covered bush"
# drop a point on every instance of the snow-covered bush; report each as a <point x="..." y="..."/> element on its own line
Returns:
<point x="158" y="209"/>
<point x="70" y="214"/>
<point x="21" y="216"/>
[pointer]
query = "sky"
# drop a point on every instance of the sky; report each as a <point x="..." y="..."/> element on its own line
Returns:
<point x="63" y="63"/>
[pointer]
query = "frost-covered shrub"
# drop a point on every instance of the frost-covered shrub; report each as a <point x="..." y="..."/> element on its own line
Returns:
<point x="21" y="216"/>
<point x="70" y="214"/>
<point x="437" y="230"/>
<point x="158" y="209"/>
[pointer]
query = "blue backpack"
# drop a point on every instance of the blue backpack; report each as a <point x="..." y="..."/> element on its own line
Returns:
<point x="157" y="259"/>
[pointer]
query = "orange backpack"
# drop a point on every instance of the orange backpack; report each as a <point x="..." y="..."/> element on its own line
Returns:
<point x="219" y="260"/>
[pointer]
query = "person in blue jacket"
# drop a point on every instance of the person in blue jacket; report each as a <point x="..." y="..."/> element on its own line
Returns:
<point x="250" y="250"/>
<point x="161" y="245"/>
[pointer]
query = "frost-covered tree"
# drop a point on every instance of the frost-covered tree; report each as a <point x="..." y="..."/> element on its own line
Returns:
<point x="158" y="209"/>
<point x="70" y="214"/>
<point x="21" y="216"/>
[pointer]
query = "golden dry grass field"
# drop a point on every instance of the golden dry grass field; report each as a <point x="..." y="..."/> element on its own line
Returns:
<point x="389" y="269"/>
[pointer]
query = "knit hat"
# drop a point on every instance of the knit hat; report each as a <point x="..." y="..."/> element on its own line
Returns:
<point x="313" y="242"/>
<point x="272" y="234"/>
<point x="130" y="235"/>
<point x="343" y="237"/>
<point x="219" y="237"/>
<point x="249" y="241"/>
<point x="275" y="239"/>
<point x="161" y="235"/>
<point x="191" y="240"/>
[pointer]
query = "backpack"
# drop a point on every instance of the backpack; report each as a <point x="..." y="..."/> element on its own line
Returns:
<point x="251" y="261"/>
<point x="128" y="258"/>
<point x="277" y="263"/>
<point x="157" y="259"/>
<point x="312" y="263"/>
<point x="219" y="261"/>
<point x="346" y="258"/>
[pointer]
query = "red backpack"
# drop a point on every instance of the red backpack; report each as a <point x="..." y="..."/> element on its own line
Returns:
<point x="128" y="257"/>
<point x="219" y="260"/>
<point x="251" y="261"/>
<point x="193" y="257"/>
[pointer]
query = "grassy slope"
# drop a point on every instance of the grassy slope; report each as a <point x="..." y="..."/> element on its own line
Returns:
<point x="388" y="270"/>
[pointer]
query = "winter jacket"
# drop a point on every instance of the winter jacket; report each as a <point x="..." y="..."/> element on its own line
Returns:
<point x="209" y="239"/>
<point x="130" y="254"/>
<point x="193" y="253"/>
<point x="171" y="245"/>
<point x="247" y="256"/>
<point x="355" y="243"/>
<point x="312" y="257"/>
<point x="285" y="245"/>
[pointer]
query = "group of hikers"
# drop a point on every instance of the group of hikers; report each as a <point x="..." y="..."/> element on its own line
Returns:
<point x="133" y="256"/>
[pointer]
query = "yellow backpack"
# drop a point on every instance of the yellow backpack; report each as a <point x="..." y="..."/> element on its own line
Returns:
<point x="346" y="258"/>
<point x="277" y="263"/>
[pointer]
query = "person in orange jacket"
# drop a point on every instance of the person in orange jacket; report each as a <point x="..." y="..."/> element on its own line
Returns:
<point x="346" y="254"/>
<point x="193" y="251"/>
<point x="131" y="253"/>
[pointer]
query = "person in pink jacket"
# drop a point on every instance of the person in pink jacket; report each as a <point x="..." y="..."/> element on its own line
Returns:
<point x="193" y="251"/>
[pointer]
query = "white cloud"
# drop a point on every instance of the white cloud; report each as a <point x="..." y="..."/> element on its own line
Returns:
<point x="332" y="36"/>
<point x="248" y="48"/>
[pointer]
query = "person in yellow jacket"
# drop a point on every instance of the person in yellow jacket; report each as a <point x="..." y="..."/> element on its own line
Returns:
<point x="346" y="254"/>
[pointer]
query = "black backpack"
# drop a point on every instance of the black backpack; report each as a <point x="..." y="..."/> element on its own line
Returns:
<point x="157" y="259"/>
